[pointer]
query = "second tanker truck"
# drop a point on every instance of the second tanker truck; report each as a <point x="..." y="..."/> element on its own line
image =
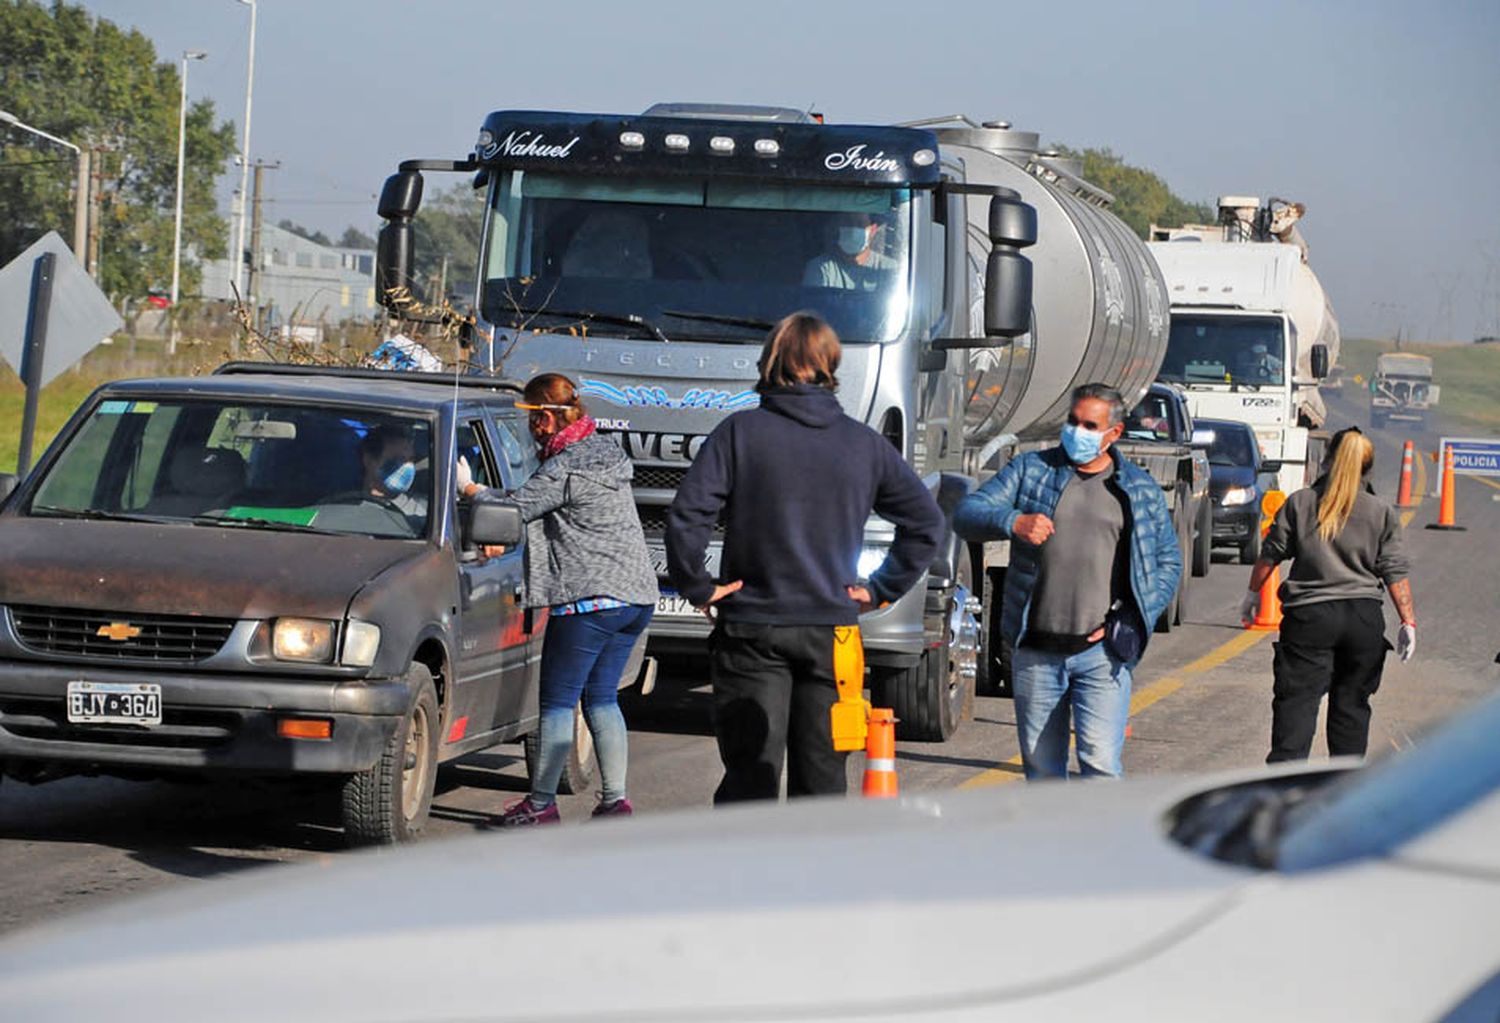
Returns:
<point x="974" y="280"/>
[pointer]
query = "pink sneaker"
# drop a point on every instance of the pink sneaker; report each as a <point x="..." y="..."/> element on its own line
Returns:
<point x="524" y="812"/>
<point x="618" y="808"/>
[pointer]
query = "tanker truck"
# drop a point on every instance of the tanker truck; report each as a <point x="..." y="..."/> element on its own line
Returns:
<point x="974" y="280"/>
<point x="1252" y="329"/>
<point x="1401" y="388"/>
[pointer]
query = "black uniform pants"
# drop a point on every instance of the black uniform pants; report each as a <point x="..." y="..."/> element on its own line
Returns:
<point x="1335" y="647"/>
<point x="773" y="694"/>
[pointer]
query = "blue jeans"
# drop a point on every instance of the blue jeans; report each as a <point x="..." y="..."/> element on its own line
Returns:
<point x="583" y="655"/>
<point x="1094" y="687"/>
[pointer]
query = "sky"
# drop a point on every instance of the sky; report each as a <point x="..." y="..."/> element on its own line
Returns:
<point x="1382" y="117"/>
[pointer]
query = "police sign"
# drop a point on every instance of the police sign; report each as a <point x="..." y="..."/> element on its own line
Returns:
<point x="1474" y="456"/>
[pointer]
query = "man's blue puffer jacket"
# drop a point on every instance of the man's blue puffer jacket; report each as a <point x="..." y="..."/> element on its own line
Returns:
<point x="1034" y="482"/>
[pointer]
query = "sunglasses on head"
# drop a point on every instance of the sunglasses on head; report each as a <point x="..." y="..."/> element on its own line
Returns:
<point x="523" y="406"/>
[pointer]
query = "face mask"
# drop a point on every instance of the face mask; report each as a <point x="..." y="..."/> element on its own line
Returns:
<point x="1082" y="446"/>
<point x="852" y="240"/>
<point x="396" y="476"/>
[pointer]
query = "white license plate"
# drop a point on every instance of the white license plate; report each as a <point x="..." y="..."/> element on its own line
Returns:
<point x="670" y="605"/>
<point x="114" y="703"/>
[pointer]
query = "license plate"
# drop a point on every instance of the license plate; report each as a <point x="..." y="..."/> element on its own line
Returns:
<point x="114" y="703"/>
<point x="670" y="605"/>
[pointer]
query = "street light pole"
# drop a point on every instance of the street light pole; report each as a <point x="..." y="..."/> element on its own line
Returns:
<point x="187" y="55"/>
<point x="239" y="247"/>
<point x="81" y="202"/>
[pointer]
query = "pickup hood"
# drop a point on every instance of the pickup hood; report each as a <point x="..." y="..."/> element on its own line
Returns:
<point x="1222" y="477"/>
<point x="184" y="569"/>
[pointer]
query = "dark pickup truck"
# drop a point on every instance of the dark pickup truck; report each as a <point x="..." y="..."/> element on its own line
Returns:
<point x="264" y="572"/>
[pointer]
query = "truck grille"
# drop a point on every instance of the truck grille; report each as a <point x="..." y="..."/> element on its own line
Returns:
<point x="654" y="477"/>
<point x="654" y="520"/>
<point x="83" y="633"/>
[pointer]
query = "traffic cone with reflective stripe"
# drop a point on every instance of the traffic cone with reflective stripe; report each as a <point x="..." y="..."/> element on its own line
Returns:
<point x="1403" y="494"/>
<point x="1446" y="510"/>
<point x="880" y="755"/>
<point x="1268" y="615"/>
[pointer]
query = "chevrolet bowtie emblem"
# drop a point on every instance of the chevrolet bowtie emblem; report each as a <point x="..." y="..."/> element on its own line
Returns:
<point x="118" y="631"/>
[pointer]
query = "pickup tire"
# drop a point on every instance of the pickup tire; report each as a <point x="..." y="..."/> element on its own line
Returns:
<point x="1203" y="546"/>
<point x="389" y="802"/>
<point x="1173" y="614"/>
<point x="1250" y="549"/>
<point x="579" y="769"/>
<point x="994" y="674"/>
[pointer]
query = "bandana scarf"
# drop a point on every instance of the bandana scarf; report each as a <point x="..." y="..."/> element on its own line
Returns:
<point x="570" y="434"/>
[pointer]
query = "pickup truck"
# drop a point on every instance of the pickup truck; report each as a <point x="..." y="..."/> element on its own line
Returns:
<point x="264" y="572"/>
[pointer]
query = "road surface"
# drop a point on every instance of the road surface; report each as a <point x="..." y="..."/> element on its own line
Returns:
<point x="1202" y="702"/>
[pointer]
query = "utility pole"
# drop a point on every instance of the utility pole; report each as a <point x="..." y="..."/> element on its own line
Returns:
<point x="96" y="211"/>
<point x="239" y="245"/>
<point x="81" y="210"/>
<point x="253" y="296"/>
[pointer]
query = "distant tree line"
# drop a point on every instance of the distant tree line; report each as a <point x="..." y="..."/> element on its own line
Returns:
<point x="1141" y="197"/>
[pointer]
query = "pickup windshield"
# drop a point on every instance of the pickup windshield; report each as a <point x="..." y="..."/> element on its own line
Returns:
<point x="698" y="259"/>
<point x="261" y="466"/>
<point x="1235" y="350"/>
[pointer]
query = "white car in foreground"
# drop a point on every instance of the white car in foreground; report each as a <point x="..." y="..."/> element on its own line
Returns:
<point x="1315" y="893"/>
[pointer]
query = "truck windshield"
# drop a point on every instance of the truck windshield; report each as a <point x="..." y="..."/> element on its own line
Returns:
<point x="266" y="466"/>
<point x="1240" y="350"/>
<point x="697" y="259"/>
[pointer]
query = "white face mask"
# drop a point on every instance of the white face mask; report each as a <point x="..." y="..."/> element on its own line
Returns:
<point x="852" y="240"/>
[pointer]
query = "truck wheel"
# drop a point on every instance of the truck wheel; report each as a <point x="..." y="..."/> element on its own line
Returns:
<point x="1250" y="549"/>
<point x="578" y="770"/>
<point x="1203" y="546"/>
<point x="389" y="802"/>
<point x="932" y="698"/>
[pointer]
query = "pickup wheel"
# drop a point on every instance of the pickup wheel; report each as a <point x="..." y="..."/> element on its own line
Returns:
<point x="578" y="770"/>
<point x="994" y="677"/>
<point x="389" y="802"/>
<point x="1250" y="549"/>
<point x="1203" y="546"/>
<point x="1173" y="614"/>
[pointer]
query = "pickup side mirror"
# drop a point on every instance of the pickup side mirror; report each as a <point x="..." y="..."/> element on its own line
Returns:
<point x="1270" y="465"/>
<point x="1007" y="274"/>
<point x="8" y="483"/>
<point x="1319" y="356"/>
<point x="399" y="201"/>
<point x="1202" y="439"/>
<point x="495" y="524"/>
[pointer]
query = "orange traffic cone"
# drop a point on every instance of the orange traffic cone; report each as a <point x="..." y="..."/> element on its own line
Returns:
<point x="880" y="755"/>
<point x="1445" y="510"/>
<point x="1268" y="616"/>
<point x="1403" y="493"/>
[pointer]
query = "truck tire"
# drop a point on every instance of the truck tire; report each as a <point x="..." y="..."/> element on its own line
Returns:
<point x="389" y="802"/>
<point x="933" y="697"/>
<point x="579" y="769"/>
<point x="1203" y="546"/>
<point x="1250" y="549"/>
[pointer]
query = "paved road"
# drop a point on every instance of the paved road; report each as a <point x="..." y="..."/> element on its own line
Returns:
<point x="1202" y="702"/>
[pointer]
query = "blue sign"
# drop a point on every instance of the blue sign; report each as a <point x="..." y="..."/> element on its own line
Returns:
<point x="1474" y="456"/>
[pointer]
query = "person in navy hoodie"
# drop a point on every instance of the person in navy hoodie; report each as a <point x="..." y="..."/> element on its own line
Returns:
<point x="795" y="481"/>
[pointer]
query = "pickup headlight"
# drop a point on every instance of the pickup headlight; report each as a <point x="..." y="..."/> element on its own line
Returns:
<point x="361" y="644"/>
<point x="309" y="640"/>
<point x="1238" y="495"/>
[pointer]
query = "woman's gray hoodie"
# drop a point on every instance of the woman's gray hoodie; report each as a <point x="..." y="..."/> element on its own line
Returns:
<point x="583" y="537"/>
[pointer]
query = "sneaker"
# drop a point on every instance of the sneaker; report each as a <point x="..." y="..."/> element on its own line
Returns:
<point x="523" y="812"/>
<point x="616" y="808"/>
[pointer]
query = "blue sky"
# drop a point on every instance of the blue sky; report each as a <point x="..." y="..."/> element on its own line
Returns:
<point x="1380" y="116"/>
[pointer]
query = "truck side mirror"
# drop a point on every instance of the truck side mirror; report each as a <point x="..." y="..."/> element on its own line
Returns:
<point x="495" y="524"/>
<point x="1007" y="273"/>
<point x="399" y="201"/>
<point x="8" y="482"/>
<point x="1319" y="357"/>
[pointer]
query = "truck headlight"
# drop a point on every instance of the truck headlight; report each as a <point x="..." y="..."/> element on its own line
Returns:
<point x="361" y="644"/>
<point x="1238" y="495"/>
<point x="870" y="558"/>
<point x="302" y="639"/>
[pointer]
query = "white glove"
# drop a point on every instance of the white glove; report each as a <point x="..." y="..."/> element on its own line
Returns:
<point x="463" y="474"/>
<point x="1250" y="607"/>
<point x="1406" y="641"/>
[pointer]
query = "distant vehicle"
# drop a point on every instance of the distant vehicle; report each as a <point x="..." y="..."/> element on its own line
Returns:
<point x="200" y="577"/>
<point x="1402" y="388"/>
<point x="1239" y="478"/>
<point x="1252" y="328"/>
<point x="1314" y="891"/>
<point x="1159" y="438"/>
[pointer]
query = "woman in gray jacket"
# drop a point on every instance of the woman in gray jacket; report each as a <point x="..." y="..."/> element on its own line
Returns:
<point x="586" y="561"/>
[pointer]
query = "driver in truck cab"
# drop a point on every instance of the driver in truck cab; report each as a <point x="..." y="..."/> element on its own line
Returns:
<point x="854" y="262"/>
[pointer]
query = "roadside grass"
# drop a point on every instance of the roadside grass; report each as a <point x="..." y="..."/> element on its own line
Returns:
<point x="1469" y="376"/>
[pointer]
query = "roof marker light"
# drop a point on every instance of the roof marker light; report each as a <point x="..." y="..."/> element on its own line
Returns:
<point x="632" y="139"/>
<point x="721" y="144"/>
<point x="676" y="142"/>
<point x="923" y="157"/>
<point x="767" y="147"/>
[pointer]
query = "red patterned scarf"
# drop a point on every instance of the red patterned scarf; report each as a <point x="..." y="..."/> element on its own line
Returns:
<point x="570" y="434"/>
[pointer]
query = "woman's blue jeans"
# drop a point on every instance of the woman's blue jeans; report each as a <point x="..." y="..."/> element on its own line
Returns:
<point x="584" y="655"/>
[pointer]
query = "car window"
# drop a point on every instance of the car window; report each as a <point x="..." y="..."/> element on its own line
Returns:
<point x="517" y="448"/>
<point x="1230" y="447"/>
<point x="1151" y="419"/>
<point x="471" y="448"/>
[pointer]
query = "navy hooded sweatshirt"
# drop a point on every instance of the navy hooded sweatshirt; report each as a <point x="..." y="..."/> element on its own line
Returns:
<point x="796" y="479"/>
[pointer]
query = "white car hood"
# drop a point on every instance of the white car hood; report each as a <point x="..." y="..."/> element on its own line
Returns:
<point x="821" y="908"/>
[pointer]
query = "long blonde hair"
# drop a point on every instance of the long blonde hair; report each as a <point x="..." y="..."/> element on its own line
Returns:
<point x="1352" y="457"/>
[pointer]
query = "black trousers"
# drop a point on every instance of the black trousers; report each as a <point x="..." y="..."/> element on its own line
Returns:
<point x="1336" y="647"/>
<point x="773" y="694"/>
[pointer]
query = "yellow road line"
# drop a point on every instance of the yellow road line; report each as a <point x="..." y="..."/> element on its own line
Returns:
<point x="1010" y="770"/>
<point x="1488" y="483"/>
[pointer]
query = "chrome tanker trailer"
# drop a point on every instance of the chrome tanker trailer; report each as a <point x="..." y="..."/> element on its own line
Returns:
<point x="647" y="255"/>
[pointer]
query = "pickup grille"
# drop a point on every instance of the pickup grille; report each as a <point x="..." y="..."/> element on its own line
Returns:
<point x="76" y="632"/>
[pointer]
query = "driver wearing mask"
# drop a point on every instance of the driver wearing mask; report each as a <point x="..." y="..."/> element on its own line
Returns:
<point x="388" y="455"/>
<point x="854" y="264"/>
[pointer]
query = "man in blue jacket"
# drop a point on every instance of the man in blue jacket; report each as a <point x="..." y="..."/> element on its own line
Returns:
<point x="794" y="482"/>
<point x="1092" y="545"/>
